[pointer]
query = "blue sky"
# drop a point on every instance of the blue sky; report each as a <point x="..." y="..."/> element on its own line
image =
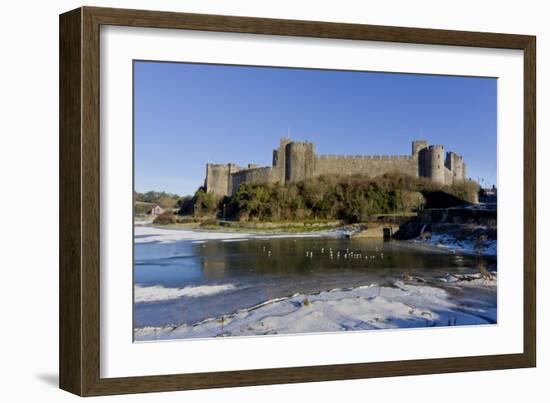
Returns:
<point x="189" y="114"/>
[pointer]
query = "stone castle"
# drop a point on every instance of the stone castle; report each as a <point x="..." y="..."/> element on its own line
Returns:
<point x="295" y="161"/>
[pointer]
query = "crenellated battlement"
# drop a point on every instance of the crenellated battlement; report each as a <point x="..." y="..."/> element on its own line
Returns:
<point x="296" y="161"/>
<point x="365" y="157"/>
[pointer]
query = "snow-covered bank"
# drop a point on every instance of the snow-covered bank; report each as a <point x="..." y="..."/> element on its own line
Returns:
<point x="402" y="305"/>
<point x="448" y="242"/>
<point x="144" y="234"/>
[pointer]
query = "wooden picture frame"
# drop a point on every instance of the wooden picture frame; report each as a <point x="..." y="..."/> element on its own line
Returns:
<point x="79" y="317"/>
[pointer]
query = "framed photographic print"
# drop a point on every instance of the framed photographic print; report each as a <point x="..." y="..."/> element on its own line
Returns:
<point x="251" y="201"/>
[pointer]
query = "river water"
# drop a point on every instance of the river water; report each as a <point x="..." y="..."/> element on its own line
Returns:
<point x="189" y="281"/>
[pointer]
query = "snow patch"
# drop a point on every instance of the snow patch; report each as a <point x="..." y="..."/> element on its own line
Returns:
<point x="160" y="293"/>
<point x="144" y="234"/>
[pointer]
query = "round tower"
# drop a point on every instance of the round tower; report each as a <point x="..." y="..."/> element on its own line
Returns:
<point x="279" y="160"/>
<point x="458" y="168"/>
<point x="435" y="163"/>
<point x="300" y="161"/>
<point x="417" y="146"/>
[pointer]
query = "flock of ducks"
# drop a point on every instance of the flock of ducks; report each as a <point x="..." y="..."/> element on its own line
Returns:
<point x="347" y="254"/>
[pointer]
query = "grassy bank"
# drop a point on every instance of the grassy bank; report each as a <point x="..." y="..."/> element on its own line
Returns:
<point x="269" y="227"/>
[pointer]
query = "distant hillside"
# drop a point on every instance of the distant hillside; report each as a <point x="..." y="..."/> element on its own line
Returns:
<point x="350" y="198"/>
<point x="165" y="200"/>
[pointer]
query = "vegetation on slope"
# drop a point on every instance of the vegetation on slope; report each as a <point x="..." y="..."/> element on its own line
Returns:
<point x="348" y="198"/>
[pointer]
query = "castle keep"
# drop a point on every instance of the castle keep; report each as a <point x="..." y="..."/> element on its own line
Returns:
<point x="295" y="161"/>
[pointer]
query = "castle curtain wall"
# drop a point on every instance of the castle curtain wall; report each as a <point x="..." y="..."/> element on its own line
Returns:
<point x="366" y="165"/>
<point x="252" y="176"/>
